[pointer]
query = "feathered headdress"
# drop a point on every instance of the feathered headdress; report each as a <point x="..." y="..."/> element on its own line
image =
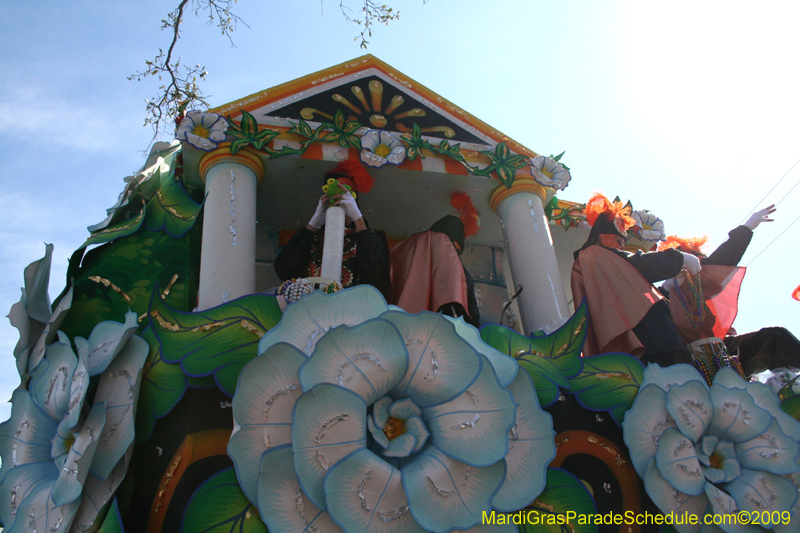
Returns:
<point x="796" y="293"/>
<point x="466" y="212"/>
<point x="690" y="245"/>
<point x="355" y="172"/>
<point x="614" y="212"/>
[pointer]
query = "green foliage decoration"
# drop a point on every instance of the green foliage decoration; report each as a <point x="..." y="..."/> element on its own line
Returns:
<point x="792" y="407"/>
<point x="568" y="217"/>
<point x="550" y="359"/>
<point x="173" y="210"/>
<point x="218" y="341"/>
<point x="247" y="133"/>
<point x="220" y="506"/>
<point x="562" y="493"/>
<point x="608" y="382"/>
<point x="113" y="520"/>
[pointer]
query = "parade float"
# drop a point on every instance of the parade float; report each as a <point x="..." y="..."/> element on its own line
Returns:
<point x="164" y="390"/>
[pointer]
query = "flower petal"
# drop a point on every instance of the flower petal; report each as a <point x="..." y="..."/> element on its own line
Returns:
<point x="377" y="434"/>
<point x="119" y="388"/>
<point x="24" y="438"/>
<point x="97" y="494"/>
<point x="304" y="322"/>
<point x="505" y="366"/>
<point x="328" y="423"/>
<point x="772" y="451"/>
<point x="51" y="379"/>
<point x="266" y="392"/>
<point x="70" y="481"/>
<point x="473" y="427"/>
<point x="401" y="446"/>
<point x="532" y="447"/>
<point x="762" y="491"/>
<point x="446" y="494"/>
<point x="678" y="462"/>
<point x="441" y="365"/>
<point x="78" y="389"/>
<point x="107" y="339"/>
<point x="721" y="503"/>
<point x="372" y="159"/>
<point x="21" y="479"/>
<point x="416" y="427"/>
<point x="380" y="411"/>
<point x="669" y="500"/>
<point x="365" y="495"/>
<point x="736" y="416"/>
<point x="644" y="424"/>
<point x="404" y="409"/>
<point x="38" y="512"/>
<point x="690" y="406"/>
<point x="281" y="501"/>
<point x="369" y="359"/>
<point x="671" y="375"/>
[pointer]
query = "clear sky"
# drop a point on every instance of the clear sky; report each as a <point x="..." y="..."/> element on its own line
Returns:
<point x="659" y="103"/>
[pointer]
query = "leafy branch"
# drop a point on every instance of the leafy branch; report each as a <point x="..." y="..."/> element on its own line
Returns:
<point x="179" y="90"/>
<point x="372" y="14"/>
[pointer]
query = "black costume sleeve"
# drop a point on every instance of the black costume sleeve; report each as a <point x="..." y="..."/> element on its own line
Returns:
<point x="657" y="266"/>
<point x="730" y="252"/>
<point x="372" y="261"/>
<point x="292" y="262"/>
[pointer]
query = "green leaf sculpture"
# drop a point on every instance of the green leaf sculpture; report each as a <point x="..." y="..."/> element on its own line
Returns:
<point x="551" y="359"/>
<point x="220" y="506"/>
<point x="563" y="493"/>
<point x="608" y="382"/>
<point x="173" y="210"/>
<point x="113" y="520"/>
<point x="115" y="231"/>
<point x="792" y="407"/>
<point x="218" y="341"/>
<point x="248" y="134"/>
<point x="342" y="131"/>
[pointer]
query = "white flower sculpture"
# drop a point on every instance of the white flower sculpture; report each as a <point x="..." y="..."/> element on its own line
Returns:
<point x="52" y="442"/>
<point x="381" y="147"/>
<point x="202" y="130"/>
<point x="647" y="232"/>
<point x="358" y="417"/>
<point x="715" y="451"/>
<point x="548" y="172"/>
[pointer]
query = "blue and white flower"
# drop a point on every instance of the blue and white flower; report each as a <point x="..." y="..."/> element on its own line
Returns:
<point x="648" y="231"/>
<point x="717" y="450"/>
<point x="381" y="147"/>
<point x="361" y="417"/>
<point x="53" y="445"/>
<point x="548" y="172"/>
<point x="202" y="130"/>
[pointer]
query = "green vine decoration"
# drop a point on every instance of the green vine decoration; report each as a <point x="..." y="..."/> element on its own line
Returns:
<point x="566" y="216"/>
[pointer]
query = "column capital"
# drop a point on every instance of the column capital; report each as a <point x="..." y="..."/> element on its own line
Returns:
<point x="245" y="156"/>
<point x="520" y="185"/>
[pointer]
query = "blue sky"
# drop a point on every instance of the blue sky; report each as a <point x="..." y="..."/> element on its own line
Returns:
<point x="657" y="103"/>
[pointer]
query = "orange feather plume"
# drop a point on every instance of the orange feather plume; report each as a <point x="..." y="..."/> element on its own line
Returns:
<point x="467" y="213"/>
<point x="692" y="245"/>
<point x="796" y="293"/>
<point x="598" y="204"/>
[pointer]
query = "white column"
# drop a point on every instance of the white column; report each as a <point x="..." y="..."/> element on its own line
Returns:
<point x="532" y="256"/>
<point x="228" y="254"/>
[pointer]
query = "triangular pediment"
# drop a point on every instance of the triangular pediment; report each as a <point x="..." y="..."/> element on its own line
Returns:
<point x="370" y="92"/>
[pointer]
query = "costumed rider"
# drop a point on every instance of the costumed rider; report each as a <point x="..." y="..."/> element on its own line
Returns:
<point x="427" y="272"/>
<point x="705" y="306"/>
<point x="365" y="253"/>
<point x="626" y="312"/>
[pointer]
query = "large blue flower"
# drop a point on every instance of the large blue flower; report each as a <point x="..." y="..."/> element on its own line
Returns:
<point x="61" y="459"/>
<point x="717" y="450"/>
<point x="362" y="418"/>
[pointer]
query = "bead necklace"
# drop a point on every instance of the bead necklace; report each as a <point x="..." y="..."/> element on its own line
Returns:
<point x="699" y="310"/>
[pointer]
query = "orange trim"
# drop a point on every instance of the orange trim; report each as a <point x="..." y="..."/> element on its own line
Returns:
<point x="274" y="94"/>
<point x="245" y="156"/>
<point x="195" y="446"/>
<point x="519" y="185"/>
<point x="585" y="442"/>
<point x="314" y="151"/>
<point x="411" y="165"/>
<point x="451" y="166"/>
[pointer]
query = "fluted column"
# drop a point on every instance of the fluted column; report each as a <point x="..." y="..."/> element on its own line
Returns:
<point x="228" y="255"/>
<point x="531" y="254"/>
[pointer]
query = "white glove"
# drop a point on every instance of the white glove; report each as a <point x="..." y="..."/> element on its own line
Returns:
<point x="318" y="220"/>
<point x="348" y="203"/>
<point x="691" y="263"/>
<point x="760" y="216"/>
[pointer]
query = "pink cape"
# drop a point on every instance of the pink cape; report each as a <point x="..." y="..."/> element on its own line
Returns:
<point x="618" y="297"/>
<point x="721" y="285"/>
<point x="427" y="273"/>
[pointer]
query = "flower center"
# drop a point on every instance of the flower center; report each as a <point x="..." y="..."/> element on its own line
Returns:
<point x="715" y="460"/>
<point x="394" y="427"/>
<point x="200" y="131"/>
<point x="546" y="173"/>
<point x="382" y="150"/>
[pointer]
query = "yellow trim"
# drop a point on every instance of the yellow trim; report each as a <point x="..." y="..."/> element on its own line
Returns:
<point x="519" y="185"/>
<point x="246" y="156"/>
<point x="261" y="98"/>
